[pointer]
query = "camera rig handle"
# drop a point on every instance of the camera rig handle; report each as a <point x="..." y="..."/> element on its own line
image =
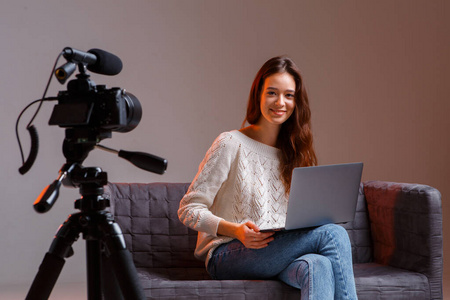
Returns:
<point x="145" y="161"/>
<point x="49" y="195"/>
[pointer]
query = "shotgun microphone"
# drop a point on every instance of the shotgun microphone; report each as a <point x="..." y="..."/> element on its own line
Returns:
<point x="97" y="60"/>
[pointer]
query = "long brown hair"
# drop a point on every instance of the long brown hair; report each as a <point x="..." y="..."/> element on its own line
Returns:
<point x="295" y="139"/>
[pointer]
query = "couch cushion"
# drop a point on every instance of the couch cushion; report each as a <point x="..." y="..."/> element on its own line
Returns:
<point x="375" y="281"/>
<point x="191" y="283"/>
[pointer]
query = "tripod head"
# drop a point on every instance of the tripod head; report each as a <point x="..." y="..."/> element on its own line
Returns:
<point x="90" y="180"/>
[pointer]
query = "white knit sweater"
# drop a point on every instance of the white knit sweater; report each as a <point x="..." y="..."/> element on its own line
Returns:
<point x="239" y="181"/>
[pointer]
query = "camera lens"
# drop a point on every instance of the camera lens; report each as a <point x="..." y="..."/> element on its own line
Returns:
<point x="134" y="112"/>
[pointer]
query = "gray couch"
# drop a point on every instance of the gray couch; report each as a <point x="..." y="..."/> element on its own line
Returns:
<point x="396" y="241"/>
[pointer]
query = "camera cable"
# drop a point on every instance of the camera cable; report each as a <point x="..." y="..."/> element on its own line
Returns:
<point x="27" y="164"/>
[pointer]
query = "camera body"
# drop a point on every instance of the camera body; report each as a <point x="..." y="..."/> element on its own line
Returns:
<point x="86" y="105"/>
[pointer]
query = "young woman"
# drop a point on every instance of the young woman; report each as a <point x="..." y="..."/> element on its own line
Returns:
<point x="242" y="188"/>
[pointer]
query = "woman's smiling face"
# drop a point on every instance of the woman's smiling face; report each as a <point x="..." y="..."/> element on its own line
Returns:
<point x="277" y="99"/>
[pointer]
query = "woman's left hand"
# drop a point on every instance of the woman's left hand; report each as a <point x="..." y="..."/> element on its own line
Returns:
<point x="248" y="233"/>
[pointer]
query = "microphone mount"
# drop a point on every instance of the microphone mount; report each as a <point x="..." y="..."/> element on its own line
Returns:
<point x="95" y="60"/>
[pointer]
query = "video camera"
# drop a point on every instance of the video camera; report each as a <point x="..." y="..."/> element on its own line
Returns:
<point x="86" y="105"/>
<point x="89" y="113"/>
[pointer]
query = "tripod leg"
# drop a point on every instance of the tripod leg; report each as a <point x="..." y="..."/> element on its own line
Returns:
<point x="122" y="262"/>
<point x="94" y="279"/>
<point x="53" y="261"/>
<point x="46" y="277"/>
<point x="110" y="285"/>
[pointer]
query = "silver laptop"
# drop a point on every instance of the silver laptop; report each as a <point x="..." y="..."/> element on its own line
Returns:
<point x="322" y="194"/>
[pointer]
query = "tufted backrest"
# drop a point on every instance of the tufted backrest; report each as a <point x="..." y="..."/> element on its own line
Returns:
<point x="147" y="215"/>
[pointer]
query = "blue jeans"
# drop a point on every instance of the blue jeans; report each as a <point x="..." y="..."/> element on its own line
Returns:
<point x="318" y="261"/>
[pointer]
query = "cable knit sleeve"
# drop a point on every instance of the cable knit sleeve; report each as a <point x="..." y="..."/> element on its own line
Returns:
<point x="194" y="210"/>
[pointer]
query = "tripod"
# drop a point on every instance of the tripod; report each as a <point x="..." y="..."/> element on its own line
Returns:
<point x="106" y="252"/>
<point x="90" y="113"/>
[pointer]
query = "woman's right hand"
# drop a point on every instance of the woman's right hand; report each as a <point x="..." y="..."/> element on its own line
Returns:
<point x="248" y="233"/>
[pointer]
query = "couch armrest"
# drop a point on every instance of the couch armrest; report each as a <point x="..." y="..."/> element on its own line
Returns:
<point x="406" y="227"/>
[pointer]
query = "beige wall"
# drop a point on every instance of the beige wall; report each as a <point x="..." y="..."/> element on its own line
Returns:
<point x="377" y="73"/>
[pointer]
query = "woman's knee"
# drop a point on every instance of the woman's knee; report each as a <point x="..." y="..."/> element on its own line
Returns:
<point x="336" y="232"/>
<point x="335" y="228"/>
<point x="333" y="237"/>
